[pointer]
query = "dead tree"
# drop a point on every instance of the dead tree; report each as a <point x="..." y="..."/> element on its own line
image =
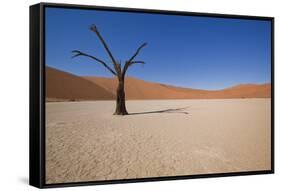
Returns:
<point x="117" y="70"/>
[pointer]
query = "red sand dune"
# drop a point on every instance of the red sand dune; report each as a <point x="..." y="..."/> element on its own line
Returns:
<point x="245" y="91"/>
<point x="66" y="86"/>
<point x="139" y="89"/>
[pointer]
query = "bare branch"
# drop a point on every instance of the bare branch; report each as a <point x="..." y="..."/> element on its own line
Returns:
<point x="118" y="68"/>
<point x="128" y="64"/>
<point x="137" y="62"/>
<point x="131" y="60"/>
<point x="77" y="53"/>
<point x="136" y="53"/>
<point x="95" y="30"/>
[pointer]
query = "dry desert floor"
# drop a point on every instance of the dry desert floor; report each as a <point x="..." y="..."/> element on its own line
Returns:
<point x="85" y="142"/>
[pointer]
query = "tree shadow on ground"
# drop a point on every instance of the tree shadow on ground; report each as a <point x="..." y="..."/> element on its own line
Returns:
<point x="176" y="110"/>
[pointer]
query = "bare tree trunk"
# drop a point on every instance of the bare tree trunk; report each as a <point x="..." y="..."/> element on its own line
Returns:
<point x="120" y="99"/>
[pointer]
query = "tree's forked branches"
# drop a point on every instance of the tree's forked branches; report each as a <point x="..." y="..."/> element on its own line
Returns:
<point x="117" y="65"/>
<point x="131" y="60"/>
<point x="95" y="30"/>
<point x="77" y="53"/>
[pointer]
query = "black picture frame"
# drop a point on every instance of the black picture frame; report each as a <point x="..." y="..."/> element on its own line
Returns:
<point x="37" y="95"/>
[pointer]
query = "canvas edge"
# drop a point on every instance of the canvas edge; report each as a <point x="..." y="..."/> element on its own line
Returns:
<point x="35" y="130"/>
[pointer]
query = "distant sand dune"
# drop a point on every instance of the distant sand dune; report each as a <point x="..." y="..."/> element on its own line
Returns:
<point x="65" y="86"/>
<point x="140" y="89"/>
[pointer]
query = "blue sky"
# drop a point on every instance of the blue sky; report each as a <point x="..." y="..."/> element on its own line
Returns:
<point x="188" y="51"/>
